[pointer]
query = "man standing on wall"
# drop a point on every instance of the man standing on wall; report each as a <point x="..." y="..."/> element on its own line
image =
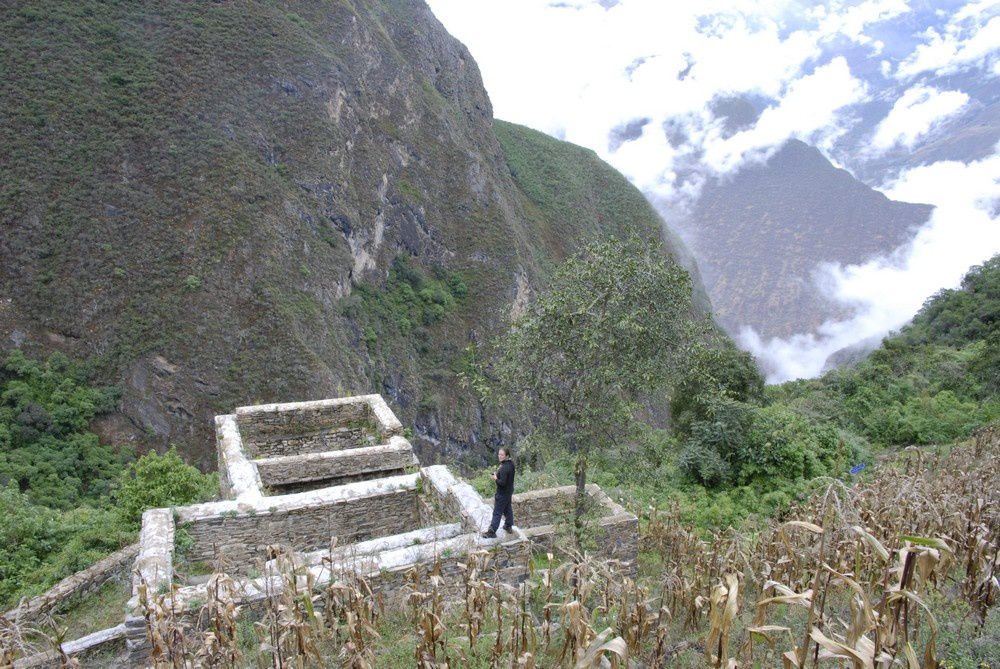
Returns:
<point x="504" y="477"/>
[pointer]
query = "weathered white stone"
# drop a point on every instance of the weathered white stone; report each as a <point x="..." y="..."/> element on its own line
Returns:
<point x="89" y="642"/>
<point x="300" y="500"/>
<point x="387" y="420"/>
<point x="239" y="476"/>
<point x="426" y="535"/>
<point x="371" y="565"/>
<point x="475" y="511"/>
<point x="388" y="423"/>
<point x="94" y="639"/>
<point x="617" y="530"/>
<point x="156" y="550"/>
<point x="440" y="477"/>
<point x="283" y="470"/>
<point x="377" y="521"/>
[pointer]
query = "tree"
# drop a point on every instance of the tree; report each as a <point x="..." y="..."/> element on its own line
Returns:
<point x="611" y="326"/>
<point x="713" y="370"/>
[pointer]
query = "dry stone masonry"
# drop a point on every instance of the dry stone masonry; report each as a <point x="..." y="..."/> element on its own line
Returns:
<point x="336" y="482"/>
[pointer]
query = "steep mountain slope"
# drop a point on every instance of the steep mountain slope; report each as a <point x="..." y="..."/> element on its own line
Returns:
<point x="569" y="191"/>
<point x="760" y="235"/>
<point x="226" y="203"/>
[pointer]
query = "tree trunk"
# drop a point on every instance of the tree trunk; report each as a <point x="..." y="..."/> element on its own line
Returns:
<point x="580" y="473"/>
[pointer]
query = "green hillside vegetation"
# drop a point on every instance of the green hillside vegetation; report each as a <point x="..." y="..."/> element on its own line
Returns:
<point x="569" y="190"/>
<point x="67" y="500"/>
<point x="931" y="383"/>
<point x="738" y="452"/>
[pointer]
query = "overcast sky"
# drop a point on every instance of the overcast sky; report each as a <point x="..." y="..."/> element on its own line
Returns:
<point x="635" y="81"/>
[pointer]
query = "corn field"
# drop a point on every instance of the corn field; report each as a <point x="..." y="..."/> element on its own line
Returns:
<point x="857" y="576"/>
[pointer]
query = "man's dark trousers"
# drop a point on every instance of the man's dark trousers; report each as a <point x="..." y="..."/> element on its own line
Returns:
<point x="502" y="507"/>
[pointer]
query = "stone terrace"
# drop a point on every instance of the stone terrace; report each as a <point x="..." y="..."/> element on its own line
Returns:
<point x="546" y="515"/>
<point x="336" y="483"/>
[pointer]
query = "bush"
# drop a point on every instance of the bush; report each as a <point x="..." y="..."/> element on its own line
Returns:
<point x="161" y="481"/>
<point x="408" y="300"/>
<point x="782" y="444"/>
<point x="922" y="419"/>
<point x="985" y="366"/>
<point x="46" y="448"/>
<point x="713" y="372"/>
<point x="742" y="444"/>
<point x="39" y="545"/>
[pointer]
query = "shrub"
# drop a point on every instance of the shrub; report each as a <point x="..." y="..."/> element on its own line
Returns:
<point x="743" y="444"/>
<point x="159" y="481"/>
<point x="713" y="372"/>
<point x="985" y="365"/>
<point x="40" y="545"/>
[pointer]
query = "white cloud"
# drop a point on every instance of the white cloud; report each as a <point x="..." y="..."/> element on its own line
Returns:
<point x="809" y="105"/>
<point x="915" y="114"/>
<point x="970" y="39"/>
<point x="578" y="72"/>
<point x="964" y="230"/>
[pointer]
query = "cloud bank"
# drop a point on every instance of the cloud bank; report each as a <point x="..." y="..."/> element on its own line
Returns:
<point x="914" y="114"/>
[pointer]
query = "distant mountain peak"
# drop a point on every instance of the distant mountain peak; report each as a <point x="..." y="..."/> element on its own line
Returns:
<point x="760" y="235"/>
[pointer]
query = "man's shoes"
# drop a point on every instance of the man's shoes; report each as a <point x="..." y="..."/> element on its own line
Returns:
<point x="509" y="528"/>
<point x="489" y="534"/>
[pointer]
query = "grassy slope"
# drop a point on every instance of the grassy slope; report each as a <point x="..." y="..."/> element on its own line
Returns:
<point x="571" y="192"/>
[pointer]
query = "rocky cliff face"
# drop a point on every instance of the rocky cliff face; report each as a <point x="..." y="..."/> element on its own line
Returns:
<point x="235" y="202"/>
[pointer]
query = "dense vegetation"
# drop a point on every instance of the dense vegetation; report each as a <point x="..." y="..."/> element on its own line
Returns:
<point x="931" y="383"/>
<point x="46" y="448"/>
<point x="410" y="300"/>
<point x="737" y="450"/>
<point x="66" y="499"/>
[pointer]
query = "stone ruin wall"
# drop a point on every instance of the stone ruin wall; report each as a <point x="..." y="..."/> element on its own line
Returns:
<point x="546" y="516"/>
<point x="231" y="535"/>
<point x="301" y="428"/>
<point x="115" y="567"/>
<point x="385" y="524"/>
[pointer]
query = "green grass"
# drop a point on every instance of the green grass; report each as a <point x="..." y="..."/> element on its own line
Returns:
<point x="97" y="611"/>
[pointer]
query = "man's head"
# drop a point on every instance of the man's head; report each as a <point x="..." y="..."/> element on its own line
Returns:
<point x="503" y="453"/>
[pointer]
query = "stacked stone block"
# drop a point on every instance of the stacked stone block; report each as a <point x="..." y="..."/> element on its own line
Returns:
<point x="547" y="515"/>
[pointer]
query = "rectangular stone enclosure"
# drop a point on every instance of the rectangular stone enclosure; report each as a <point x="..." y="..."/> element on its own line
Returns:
<point x="275" y="449"/>
<point x="547" y="516"/>
<point x="238" y="534"/>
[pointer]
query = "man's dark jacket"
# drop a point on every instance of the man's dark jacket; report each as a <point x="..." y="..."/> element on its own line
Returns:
<point x="505" y="478"/>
